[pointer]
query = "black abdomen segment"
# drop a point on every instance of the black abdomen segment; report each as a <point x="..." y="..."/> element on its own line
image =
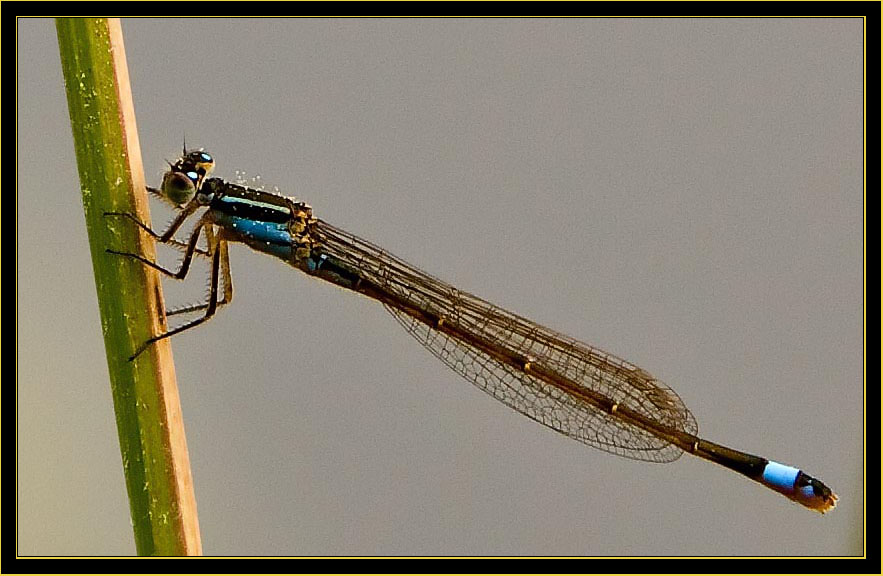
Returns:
<point x="791" y="482"/>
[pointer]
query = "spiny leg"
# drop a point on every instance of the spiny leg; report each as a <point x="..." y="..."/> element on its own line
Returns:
<point x="178" y="245"/>
<point x="189" y="248"/>
<point x="225" y="276"/>
<point x="183" y="215"/>
<point x="212" y="304"/>
<point x="170" y="241"/>
<point x="203" y="222"/>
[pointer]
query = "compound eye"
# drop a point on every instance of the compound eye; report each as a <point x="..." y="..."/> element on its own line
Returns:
<point x="179" y="187"/>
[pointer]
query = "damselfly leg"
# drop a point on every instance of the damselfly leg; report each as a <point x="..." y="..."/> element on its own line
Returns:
<point x="166" y="237"/>
<point x="216" y="250"/>
<point x="210" y="306"/>
<point x="225" y="277"/>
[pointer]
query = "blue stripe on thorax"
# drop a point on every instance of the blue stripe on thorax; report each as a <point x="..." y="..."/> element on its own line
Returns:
<point x="252" y="204"/>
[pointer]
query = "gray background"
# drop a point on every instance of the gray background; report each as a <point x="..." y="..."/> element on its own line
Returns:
<point x="686" y="194"/>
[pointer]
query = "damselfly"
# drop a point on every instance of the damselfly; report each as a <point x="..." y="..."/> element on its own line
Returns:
<point x="571" y="387"/>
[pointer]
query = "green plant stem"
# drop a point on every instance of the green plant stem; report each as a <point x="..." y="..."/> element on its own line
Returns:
<point x="148" y="413"/>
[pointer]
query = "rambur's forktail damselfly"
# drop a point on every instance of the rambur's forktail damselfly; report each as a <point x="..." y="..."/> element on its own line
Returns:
<point x="571" y="387"/>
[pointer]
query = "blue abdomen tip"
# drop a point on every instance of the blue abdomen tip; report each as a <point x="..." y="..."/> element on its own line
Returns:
<point x="779" y="476"/>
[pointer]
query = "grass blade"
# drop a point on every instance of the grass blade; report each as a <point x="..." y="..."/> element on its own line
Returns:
<point x="145" y="394"/>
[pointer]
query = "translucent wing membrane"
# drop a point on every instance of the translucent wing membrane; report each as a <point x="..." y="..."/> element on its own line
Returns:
<point x="571" y="361"/>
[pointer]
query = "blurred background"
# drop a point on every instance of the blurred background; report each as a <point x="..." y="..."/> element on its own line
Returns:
<point x="686" y="194"/>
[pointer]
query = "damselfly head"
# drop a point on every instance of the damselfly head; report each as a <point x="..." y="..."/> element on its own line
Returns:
<point x="185" y="175"/>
